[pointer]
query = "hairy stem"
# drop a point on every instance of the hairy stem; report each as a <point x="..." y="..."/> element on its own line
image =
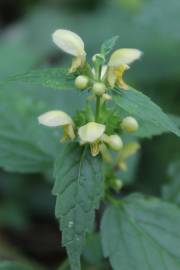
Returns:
<point x="98" y="103"/>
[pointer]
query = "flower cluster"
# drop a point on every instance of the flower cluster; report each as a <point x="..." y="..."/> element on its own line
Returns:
<point x="99" y="79"/>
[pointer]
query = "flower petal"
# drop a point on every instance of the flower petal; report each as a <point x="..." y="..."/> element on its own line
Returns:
<point x="55" y="118"/>
<point x="124" y="56"/>
<point x="69" y="42"/>
<point x="129" y="149"/>
<point x="91" y="132"/>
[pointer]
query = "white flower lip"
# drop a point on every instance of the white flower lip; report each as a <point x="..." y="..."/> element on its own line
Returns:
<point x="124" y="56"/>
<point x="69" y="42"/>
<point x="91" y="132"/>
<point x="55" y="119"/>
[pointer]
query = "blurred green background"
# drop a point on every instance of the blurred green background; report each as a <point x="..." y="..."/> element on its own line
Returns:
<point x="28" y="230"/>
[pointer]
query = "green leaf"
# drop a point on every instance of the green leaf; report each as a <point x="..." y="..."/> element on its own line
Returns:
<point x="92" y="252"/>
<point x="79" y="187"/>
<point x="171" y="190"/>
<point x="175" y="118"/>
<point x="25" y="146"/>
<point x="57" y="78"/>
<point x="108" y="45"/>
<point x="142" y="233"/>
<point x="152" y="120"/>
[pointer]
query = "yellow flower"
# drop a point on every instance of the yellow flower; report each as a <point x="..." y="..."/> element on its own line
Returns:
<point x="91" y="133"/>
<point x="119" y="63"/>
<point x="72" y="44"/>
<point x="58" y="118"/>
<point x="128" y="150"/>
<point x="105" y="153"/>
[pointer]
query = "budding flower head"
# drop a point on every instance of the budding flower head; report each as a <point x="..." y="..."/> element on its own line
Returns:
<point x="122" y="165"/>
<point x="117" y="184"/>
<point x="98" y="58"/>
<point x="99" y="88"/>
<point x="72" y="44"/>
<point x="105" y="153"/>
<point x="129" y="149"/>
<point x="114" y="141"/>
<point x="106" y="97"/>
<point x="129" y="124"/>
<point x="58" y="118"/>
<point x="81" y="82"/>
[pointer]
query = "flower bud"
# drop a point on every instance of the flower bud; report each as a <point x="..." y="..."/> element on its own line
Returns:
<point x="117" y="184"/>
<point x="98" y="58"/>
<point x="129" y="149"/>
<point x="115" y="142"/>
<point x="105" y="153"/>
<point x="81" y="82"/>
<point x="106" y="97"/>
<point x="122" y="166"/>
<point x="129" y="124"/>
<point x="99" y="88"/>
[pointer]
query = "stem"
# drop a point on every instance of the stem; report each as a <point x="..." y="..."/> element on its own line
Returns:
<point x="98" y="100"/>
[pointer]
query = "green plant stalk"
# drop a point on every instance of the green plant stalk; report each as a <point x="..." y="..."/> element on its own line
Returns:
<point x="98" y="99"/>
<point x="98" y="106"/>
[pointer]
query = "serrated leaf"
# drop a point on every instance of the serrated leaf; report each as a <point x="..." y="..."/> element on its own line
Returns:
<point x="26" y="146"/>
<point x="56" y="78"/>
<point x="78" y="187"/>
<point x="152" y="120"/>
<point x="108" y="45"/>
<point x="171" y="190"/>
<point x="23" y="142"/>
<point x="142" y="233"/>
<point x="92" y="252"/>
